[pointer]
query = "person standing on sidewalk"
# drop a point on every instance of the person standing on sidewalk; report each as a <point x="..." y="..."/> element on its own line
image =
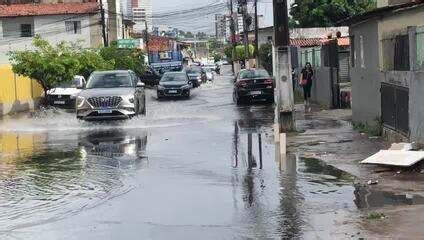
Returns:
<point x="306" y="77"/>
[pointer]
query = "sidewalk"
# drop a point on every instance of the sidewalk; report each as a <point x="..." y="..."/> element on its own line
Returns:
<point x="328" y="135"/>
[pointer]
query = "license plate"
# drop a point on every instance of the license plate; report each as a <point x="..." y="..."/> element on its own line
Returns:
<point x="255" y="92"/>
<point x="104" y="111"/>
<point x="59" y="102"/>
<point x="172" y="91"/>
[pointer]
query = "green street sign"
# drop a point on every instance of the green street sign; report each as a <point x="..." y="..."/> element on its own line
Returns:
<point x="128" y="43"/>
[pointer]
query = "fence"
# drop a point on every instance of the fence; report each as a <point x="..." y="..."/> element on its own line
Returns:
<point x="17" y="93"/>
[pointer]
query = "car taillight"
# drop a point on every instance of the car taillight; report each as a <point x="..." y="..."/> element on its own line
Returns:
<point x="269" y="81"/>
<point x="241" y="83"/>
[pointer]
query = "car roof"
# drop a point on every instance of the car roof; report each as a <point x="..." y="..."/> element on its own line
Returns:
<point x="114" y="71"/>
<point x="173" y="73"/>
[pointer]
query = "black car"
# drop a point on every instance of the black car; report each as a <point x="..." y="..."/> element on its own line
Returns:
<point x="252" y="84"/>
<point x="150" y="77"/>
<point x="196" y="75"/>
<point x="174" y="84"/>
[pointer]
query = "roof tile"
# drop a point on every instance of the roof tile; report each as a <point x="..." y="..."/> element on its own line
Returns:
<point x="20" y="10"/>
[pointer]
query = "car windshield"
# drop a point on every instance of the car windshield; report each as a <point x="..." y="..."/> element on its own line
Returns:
<point x="193" y="70"/>
<point x="174" y="77"/>
<point x="110" y="80"/>
<point x="71" y="84"/>
<point x="254" y="74"/>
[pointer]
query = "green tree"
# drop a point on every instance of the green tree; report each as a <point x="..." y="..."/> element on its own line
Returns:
<point x="228" y="51"/>
<point x="90" y="61"/>
<point x="48" y="65"/>
<point x="189" y="35"/>
<point x="265" y="56"/>
<point x="214" y="45"/>
<point x="217" y="57"/>
<point x="201" y="35"/>
<point x="124" y="59"/>
<point x="325" y="13"/>
<point x="239" y="53"/>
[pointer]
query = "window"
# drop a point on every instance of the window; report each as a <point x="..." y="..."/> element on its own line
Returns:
<point x="269" y="38"/>
<point x="73" y="27"/>
<point x="401" y="57"/>
<point x="26" y="30"/>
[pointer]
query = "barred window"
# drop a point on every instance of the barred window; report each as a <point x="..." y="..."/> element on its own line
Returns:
<point x="73" y="27"/>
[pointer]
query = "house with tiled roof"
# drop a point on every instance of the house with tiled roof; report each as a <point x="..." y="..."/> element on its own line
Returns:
<point x="55" y="22"/>
<point x="387" y="68"/>
<point x="58" y="20"/>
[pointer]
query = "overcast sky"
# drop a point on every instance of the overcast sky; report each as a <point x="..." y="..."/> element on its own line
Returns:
<point x="201" y="23"/>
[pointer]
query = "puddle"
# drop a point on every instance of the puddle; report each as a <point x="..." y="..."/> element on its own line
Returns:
<point x="367" y="197"/>
<point x="327" y="172"/>
<point x="46" y="177"/>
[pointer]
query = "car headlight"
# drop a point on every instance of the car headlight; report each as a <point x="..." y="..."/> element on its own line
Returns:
<point x="80" y="101"/>
<point x="160" y="87"/>
<point x="186" y="86"/>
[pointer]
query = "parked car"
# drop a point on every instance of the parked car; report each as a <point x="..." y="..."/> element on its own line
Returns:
<point x="196" y="75"/>
<point x="252" y="84"/>
<point x="150" y="77"/>
<point x="224" y="62"/>
<point x="174" y="84"/>
<point x="111" y="95"/>
<point x="64" y="95"/>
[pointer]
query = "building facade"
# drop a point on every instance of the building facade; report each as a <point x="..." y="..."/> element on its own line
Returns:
<point x="388" y="69"/>
<point x="75" y="22"/>
<point x="221" y="27"/>
<point x="142" y="14"/>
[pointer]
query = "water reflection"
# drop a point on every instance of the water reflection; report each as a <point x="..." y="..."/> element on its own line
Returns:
<point x="306" y="187"/>
<point x="366" y="197"/>
<point x="48" y="176"/>
<point x="249" y="154"/>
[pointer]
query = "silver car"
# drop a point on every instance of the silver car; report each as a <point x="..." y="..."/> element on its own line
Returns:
<point x="111" y="95"/>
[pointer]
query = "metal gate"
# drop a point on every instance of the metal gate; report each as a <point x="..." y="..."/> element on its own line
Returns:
<point x="395" y="107"/>
<point x="344" y="66"/>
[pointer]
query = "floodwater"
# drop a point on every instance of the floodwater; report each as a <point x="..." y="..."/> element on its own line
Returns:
<point x="192" y="169"/>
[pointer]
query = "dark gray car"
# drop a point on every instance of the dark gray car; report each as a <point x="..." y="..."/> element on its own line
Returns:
<point x="174" y="84"/>
<point x="111" y="95"/>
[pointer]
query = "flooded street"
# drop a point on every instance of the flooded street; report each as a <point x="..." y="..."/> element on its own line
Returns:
<point x="191" y="169"/>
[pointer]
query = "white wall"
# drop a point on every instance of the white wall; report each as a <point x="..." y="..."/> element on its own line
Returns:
<point x="50" y="27"/>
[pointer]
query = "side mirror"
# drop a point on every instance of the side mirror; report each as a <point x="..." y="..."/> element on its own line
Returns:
<point x="80" y="85"/>
<point x="140" y="84"/>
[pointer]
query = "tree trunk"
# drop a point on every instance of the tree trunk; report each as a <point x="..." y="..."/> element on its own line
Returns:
<point x="44" y="102"/>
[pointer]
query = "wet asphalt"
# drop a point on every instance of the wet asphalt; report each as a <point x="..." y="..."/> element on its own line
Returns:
<point x="191" y="169"/>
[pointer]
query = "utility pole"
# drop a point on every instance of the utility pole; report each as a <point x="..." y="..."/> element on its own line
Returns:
<point x="243" y="6"/>
<point x="256" y="34"/>
<point x="146" y="38"/>
<point x="233" y="31"/>
<point x="282" y="68"/>
<point x="103" y="23"/>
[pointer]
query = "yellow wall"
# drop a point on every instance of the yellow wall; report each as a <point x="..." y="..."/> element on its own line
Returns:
<point x="14" y="87"/>
<point x="16" y="146"/>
